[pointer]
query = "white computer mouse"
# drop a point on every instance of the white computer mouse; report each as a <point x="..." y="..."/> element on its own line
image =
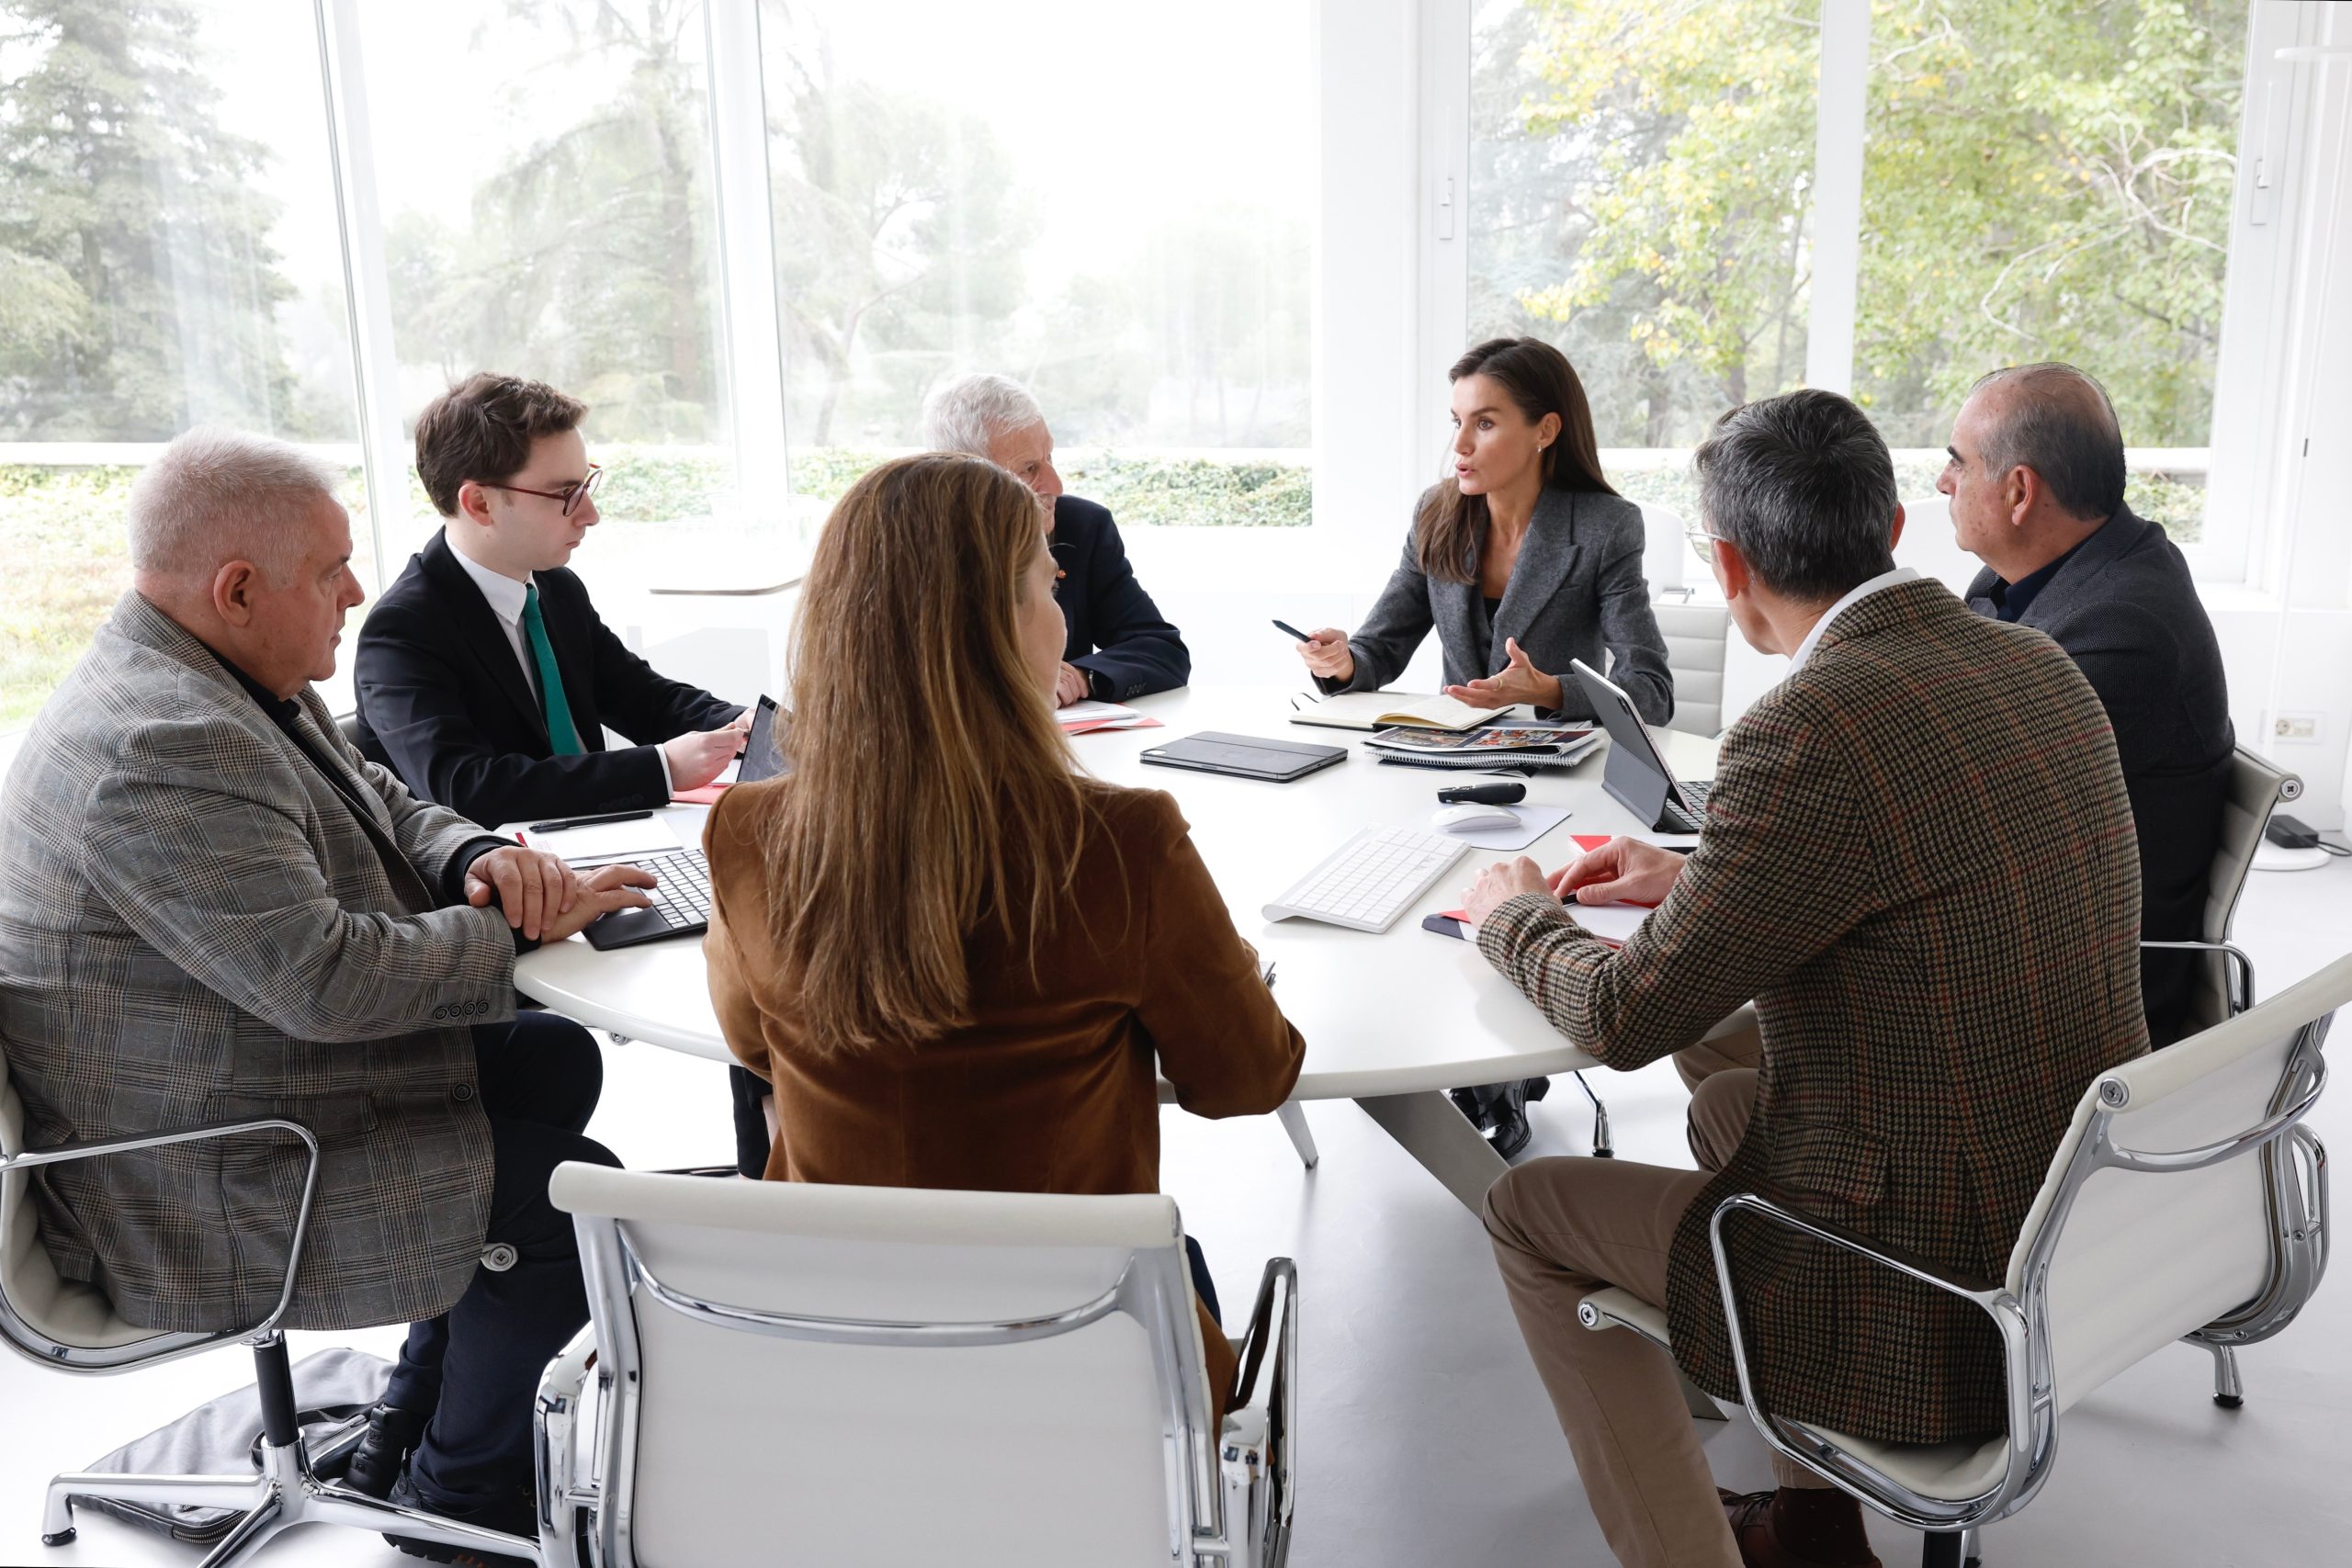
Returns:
<point x="1475" y="817"/>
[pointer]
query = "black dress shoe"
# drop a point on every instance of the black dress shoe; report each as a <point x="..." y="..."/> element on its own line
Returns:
<point x="383" y="1450"/>
<point x="1471" y="1103"/>
<point x="514" y="1512"/>
<point x="1511" y="1130"/>
<point x="1501" y="1108"/>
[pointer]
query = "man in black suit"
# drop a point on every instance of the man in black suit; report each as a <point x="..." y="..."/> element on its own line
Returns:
<point x="485" y="677"/>
<point x="1119" y="646"/>
<point x="2036" y="482"/>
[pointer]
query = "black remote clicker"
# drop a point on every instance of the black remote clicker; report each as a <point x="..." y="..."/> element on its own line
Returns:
<point x="1483" y="795"/>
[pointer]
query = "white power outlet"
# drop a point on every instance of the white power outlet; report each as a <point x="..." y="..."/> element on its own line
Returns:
<point x="2297" y="728"/>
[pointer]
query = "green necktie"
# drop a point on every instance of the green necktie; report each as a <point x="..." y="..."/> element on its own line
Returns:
<point x="560" y="731"/>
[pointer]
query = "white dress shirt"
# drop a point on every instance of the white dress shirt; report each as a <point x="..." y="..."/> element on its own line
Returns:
<point x="505" y="597"/>
<point x="1861" y="592"/>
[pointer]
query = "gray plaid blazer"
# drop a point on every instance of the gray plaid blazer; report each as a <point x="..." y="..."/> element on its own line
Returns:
<point x="1918" y="860"/>
<point x="195" y="928"/>
<point x="1576" y="592"/>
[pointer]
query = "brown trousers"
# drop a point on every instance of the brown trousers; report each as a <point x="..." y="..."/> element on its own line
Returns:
<point x="1719" y="1073"/>
<point x="1561" y="1228"/>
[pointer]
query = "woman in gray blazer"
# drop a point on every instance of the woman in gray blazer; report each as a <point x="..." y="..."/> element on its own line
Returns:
<point x="1523" y="560"/>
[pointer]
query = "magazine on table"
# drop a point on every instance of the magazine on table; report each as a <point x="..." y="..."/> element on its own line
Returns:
<point x="1545" y="740"/>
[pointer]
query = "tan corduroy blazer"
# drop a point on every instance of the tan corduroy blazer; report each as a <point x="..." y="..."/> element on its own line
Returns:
<point x="1051" y="1088"/>
<point x="1918" y="860"/>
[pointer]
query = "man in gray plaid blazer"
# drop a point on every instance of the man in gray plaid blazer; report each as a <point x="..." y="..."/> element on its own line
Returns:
<point x="214" y="908"/>
<point x="1918" y="862"/>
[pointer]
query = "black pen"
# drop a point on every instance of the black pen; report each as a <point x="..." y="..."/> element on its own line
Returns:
<point x="559" y="824"/>
<point x="1293" y="631"/>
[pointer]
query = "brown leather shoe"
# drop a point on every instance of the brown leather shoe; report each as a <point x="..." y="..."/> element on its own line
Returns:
<point x="1838" y="1533"/>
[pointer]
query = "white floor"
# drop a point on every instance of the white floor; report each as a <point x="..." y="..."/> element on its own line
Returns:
<point x="1424" y="1437"/>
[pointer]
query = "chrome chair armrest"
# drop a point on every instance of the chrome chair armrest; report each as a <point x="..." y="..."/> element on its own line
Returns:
<point x="1254" y="1449"/>
<point x="2115" y="1095"/>
<point x="169" y="1344"/>
<point x="2033" y="1428"/>
<point x="1282" y="1273"/>
<point x="92" y="1148"/>
<point x="2313" y="1153"/>
<point x="2242" y="993"/>
<point x="1984" y="1294"/>
<point x="566" y="1485"/>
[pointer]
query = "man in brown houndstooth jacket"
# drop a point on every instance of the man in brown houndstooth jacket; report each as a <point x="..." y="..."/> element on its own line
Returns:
<point x="1919" y="863"/>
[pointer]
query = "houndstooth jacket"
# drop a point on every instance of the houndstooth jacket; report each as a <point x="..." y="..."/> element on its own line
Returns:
<point x="194" y="928"/>
<point x="1918" y="860"/>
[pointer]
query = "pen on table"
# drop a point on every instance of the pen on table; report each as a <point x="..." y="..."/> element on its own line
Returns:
<point x="1269" y="976"/>
<point x="1293" y="631"/>
<point x="561" y="823"/>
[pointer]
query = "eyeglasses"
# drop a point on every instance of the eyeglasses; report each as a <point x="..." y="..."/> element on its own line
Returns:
<point x="1702" y="542"/>
<point x="571" y="494"/>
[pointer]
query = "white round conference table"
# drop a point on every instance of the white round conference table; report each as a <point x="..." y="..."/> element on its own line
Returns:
<point x="1391" y="1020"/>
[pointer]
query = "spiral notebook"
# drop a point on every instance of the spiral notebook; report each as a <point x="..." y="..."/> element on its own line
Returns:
<point x="1387" y="710"/>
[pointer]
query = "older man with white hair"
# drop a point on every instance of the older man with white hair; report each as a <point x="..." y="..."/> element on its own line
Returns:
<point x="214" y="907"/>
<point x="1119" y="644"/>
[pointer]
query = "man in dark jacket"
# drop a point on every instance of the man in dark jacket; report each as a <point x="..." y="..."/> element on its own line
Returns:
<point x="485" y="676"/>
<point x="2036" y="482"/>
<point x="1120" y="646"/>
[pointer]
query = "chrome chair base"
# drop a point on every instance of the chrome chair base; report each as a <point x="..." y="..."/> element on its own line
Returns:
<point x="1950" y="1550"/>
<point x="283" y="1494"/>
<point x="2228" y="1391"/>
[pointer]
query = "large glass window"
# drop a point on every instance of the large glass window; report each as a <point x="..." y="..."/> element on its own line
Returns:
<point x="545" y="177"/>
<point x="2088" y="153"/>
<point x="2040" y="182"/>
<point x="1111" y="204"/>
<point x="1640" y="181"/>
<point x="169" y="257"/>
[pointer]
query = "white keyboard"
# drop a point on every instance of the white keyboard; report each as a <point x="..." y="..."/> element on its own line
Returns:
<point x="1370" y="880"/>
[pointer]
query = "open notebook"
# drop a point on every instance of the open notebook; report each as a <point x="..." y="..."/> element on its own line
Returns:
<point x="1389" y="710"/>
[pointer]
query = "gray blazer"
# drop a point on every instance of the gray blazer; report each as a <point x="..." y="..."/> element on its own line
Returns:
<point x="1577" y="588"/>
<point x="195" y="928"/>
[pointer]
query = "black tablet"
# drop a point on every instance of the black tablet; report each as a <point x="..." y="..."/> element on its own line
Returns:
<point x="764" y="747"/>
<point x="1245" y="756"/>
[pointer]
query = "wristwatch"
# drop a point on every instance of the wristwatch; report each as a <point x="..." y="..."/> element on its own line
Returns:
<point x="1099" y="686"/>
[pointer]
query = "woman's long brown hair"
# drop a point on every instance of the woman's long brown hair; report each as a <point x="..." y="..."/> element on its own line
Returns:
<point x="1539" y="379"/>
<point x="930" y="788"/>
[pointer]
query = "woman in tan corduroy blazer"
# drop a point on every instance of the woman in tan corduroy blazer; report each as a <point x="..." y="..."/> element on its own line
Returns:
<point x="958" y="960"/>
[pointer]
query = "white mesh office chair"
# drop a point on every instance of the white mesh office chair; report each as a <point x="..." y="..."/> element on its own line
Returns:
<point x="847" y="1376"/>
<point x="2184" y="1201"/>
<point x="74" y="1327"/>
